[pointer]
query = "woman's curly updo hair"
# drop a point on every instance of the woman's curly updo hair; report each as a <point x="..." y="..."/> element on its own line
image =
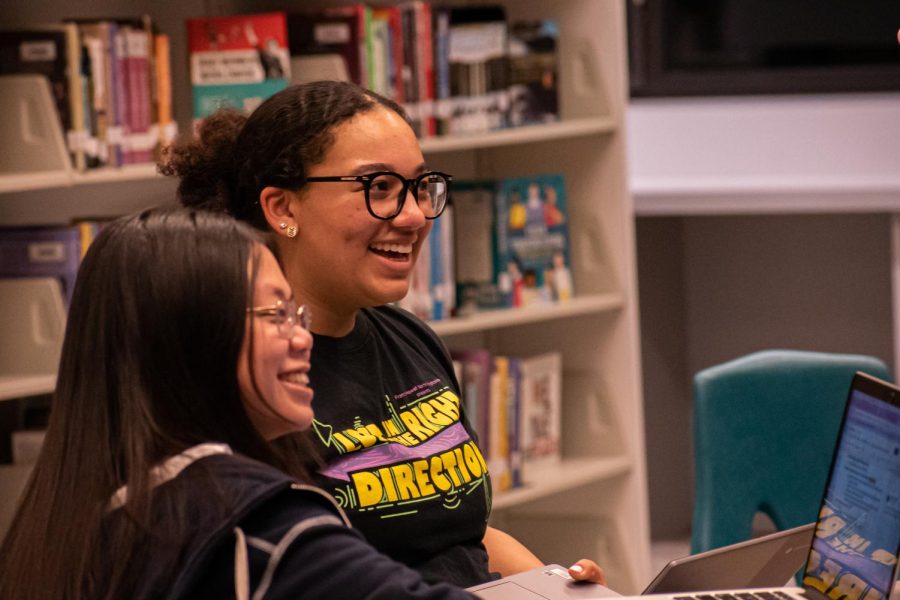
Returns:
<point x="233" y="157"/>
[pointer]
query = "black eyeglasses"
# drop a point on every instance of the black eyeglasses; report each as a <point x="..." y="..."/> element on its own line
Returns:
<point x="386" y="192"/>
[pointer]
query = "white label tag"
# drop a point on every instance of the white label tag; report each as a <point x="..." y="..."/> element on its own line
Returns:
<point x="37" y="51"/>
<point x="46" y="252"/>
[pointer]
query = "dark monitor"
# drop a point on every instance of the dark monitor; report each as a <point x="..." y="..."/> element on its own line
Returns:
<point x="721" y="47"/>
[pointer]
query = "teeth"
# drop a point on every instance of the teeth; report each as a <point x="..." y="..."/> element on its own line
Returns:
<point x="301" y="378"/>
<point x="399" y="248"/>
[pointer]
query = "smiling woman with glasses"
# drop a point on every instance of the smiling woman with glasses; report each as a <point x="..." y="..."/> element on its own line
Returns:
<point x="336" y="173"/>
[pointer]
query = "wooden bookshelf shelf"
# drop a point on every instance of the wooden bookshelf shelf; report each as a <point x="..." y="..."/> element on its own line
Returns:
<point x="497" y="319"/>
<point x="568" y="474"/>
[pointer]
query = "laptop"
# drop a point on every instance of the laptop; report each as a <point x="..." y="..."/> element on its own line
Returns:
<point x="549" y="582"/>
<point x="854" y="553"/>
<point x="767" y="560"/>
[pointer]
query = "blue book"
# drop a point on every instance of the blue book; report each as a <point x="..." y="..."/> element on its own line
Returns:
<point x="442" y="285"/>
<point x="476" y="280"/>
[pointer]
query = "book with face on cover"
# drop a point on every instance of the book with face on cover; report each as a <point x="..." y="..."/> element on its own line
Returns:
<point x="532" y="259"/>
<point x="237" y="61"/>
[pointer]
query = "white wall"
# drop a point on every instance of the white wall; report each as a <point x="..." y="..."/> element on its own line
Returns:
<point x="765" y="154"/>
<point x="762" y="222"/>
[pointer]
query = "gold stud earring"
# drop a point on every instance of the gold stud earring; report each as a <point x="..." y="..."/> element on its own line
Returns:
<point x="292" y="231"/>
<point x="282" y="225"/>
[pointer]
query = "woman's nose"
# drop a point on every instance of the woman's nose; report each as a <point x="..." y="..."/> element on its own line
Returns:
<point x="411" y="214"/>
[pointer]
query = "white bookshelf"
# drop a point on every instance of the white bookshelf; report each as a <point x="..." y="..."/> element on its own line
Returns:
<point x="596" y="498"/>
<point x="496" y="319"/>
<point x="20" y="386"/>
<point x="560" y="478"/>
<point x="62" y="179"/>
<point x="603" y="472"/>
<point x="586" y="126"/>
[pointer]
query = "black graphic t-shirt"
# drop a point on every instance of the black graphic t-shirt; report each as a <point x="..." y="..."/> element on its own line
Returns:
<point x="402" y="460"/>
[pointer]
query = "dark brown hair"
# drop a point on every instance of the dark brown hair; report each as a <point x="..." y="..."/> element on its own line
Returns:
<point x="148" y="369"/>
<point x="233" y="157"/>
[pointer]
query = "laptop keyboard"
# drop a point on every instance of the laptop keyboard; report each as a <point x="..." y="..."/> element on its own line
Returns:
<point x="761" y="595"/>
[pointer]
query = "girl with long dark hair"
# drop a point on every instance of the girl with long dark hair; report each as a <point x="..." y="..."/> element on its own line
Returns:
<point x="185" y="355"/>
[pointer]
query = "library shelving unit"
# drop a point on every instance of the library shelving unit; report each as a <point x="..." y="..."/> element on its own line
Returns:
<point x="594" y="503"/>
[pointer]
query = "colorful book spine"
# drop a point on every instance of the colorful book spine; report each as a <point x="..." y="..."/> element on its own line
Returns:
<point x="168" y="128"/>
<point x="442" y="281"/>
<point x="477" y="367"/>
<point x="139" y="141"/>
<point x="498" y="459"/>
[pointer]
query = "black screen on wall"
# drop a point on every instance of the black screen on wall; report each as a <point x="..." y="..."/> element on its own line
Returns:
<point x="702" y="47"/>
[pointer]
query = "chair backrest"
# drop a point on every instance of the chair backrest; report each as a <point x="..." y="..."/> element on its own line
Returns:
<point x="765" y="426"/>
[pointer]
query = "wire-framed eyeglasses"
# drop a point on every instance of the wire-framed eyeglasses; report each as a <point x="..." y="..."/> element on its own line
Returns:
<point x="385" y="192"/>
<point x="285" y="315"/>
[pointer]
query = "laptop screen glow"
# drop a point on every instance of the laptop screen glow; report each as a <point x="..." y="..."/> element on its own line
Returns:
<point x="854" y="551"/>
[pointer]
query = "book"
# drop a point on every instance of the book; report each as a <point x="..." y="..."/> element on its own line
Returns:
<point x="540" y="411"/>
<point x="95" y="40"/>
<point x="532" y="258"/>
<point x="478" y="69"/>
<point x="498" y="426"/>
<point x="419" y="299"/>
<point x="134" y="63"/>
<point x="476" y="280"/>
<point x="379" y="53"/>
<point x="533" y="74"/>
<point x="168" y="127"/>
<point x="514" y="421"/>
<point x="442" y="288"/>
<point x="477" y="367"/>
<point x="237" y="61"/>
<point x="330" y="44"/>
<point x="392" y="16"/>
<point x="423" y="65"/>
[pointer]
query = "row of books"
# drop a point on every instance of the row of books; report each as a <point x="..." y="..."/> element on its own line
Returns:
<point x="110" y="81"/>
<point x="456" y="70"/>
<point x="500" y="243"/>
<point x="514" y="404"/>
<point x="47" y="251"/>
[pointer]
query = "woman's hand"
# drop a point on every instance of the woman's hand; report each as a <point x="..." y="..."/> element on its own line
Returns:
<point x="587" y="570"/>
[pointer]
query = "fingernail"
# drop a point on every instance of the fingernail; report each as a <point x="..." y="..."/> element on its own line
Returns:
<point x="576" y="568"/>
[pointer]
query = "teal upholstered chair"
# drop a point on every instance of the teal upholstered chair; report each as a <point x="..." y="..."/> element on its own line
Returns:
<point x="765" y="426"/>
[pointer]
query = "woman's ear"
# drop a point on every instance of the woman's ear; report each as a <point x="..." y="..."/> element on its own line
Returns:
<point x="276" y="206"/>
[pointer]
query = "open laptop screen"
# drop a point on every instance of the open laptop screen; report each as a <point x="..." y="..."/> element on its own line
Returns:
<point x="854" y="551"/>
